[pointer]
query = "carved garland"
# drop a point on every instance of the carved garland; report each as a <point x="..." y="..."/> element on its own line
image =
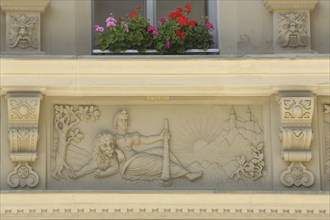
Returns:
<point x="23" y="118"/>
<point x="296" y="136"/>
<point x="251" y="169"/>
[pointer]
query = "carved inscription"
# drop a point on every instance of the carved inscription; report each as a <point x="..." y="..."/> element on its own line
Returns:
<point x="293" y="31"/>
<point x="158" y="98"/>
<point x="24" y="31"/>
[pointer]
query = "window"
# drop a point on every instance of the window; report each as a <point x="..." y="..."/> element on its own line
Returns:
<point x="154" y="10"/>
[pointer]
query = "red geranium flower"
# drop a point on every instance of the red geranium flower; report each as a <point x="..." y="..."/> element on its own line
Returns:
<point x="181" y="34"/>
<point x="183" y="20"/>
<point x="179" y="9"/>
<point x="192" y="23"/>
<point x="173" y="15"/>
<point x="187" y="8"/>
<point x="134" y="14"/>
<point x="138" y="8"/>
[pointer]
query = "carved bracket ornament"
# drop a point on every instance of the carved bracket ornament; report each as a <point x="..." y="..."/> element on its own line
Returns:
<point x="291" y="24"/>
<point x="23" y="118"/>
<point x="296" y="135"/>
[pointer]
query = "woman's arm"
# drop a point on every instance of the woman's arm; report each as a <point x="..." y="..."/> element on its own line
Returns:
<point x="154" y="138"/>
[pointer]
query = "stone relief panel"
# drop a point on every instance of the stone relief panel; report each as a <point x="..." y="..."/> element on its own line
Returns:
<point x="157" y="147"/>
<point x="326" y="154"/>
<point x="293" y="31"/>
<point x="24" y="31"/>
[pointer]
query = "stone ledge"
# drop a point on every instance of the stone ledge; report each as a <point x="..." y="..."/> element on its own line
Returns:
<point x="290" y="5"/>
<point x="24" y="5"/>
<point x="161" y="76"/>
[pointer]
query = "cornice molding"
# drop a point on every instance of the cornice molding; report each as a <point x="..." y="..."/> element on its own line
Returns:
<point x="24" y="5"/>
<point x="290" y="5"/>
<point x="163" y="76"/>
<point x="164" y="206"/>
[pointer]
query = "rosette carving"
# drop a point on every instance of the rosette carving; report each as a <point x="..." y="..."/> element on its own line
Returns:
<point x="23" y="118"/>
<point x="296" y="135"/>
<point x="297" y="175"/>
<point x="22" y="176"/>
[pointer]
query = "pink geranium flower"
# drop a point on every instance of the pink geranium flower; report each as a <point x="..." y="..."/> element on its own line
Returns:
<point x="209" y="25"/>
<point x="98" y="28"/>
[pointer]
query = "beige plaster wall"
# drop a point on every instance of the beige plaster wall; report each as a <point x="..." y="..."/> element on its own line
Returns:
<point x="2" y="31"/>
<point x="320" y="27"/>
<point x="245" y="27"/>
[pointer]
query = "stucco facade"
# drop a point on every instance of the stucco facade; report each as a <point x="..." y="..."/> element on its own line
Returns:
<point x="239" y="134"/>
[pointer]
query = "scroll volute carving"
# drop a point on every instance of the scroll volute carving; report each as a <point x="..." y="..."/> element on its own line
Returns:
<point x="296" y="136"/>
<point x="23" y="118"/>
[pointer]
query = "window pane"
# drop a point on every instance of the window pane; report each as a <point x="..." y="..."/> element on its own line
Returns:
<point x="119" y="8"/>
<point x="199" y="8"/>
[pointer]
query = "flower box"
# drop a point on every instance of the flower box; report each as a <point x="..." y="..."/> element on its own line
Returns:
<point x="212" y="51"/>
<point x="175" y="34"/>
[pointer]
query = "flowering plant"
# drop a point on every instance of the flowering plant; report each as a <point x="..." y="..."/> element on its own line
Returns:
<point x="122" y="34"/>
<point x="175" y="34"/>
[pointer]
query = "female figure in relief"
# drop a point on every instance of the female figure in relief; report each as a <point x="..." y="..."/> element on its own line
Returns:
<point x="147" y="164"/>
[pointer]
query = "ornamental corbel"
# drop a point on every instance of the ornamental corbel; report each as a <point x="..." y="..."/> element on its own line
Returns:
<point x="23" y="119"/>
<point x="291" y="25"/>
<point x="296" y="136"/>
<point x="23" y="24"/>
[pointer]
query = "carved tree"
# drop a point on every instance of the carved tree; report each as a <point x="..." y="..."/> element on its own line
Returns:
<point x="66" y="118"/>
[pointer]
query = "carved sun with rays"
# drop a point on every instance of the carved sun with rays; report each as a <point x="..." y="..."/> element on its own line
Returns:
<point x="196" y="134"/>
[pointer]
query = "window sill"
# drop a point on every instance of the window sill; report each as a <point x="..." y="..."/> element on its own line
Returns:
<point x="212" y="51"/>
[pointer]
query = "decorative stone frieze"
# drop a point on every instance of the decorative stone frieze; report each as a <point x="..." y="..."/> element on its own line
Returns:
<point x="296" y="136"/>
<point x="23" y="118"/>
<point x="291" y="25"/>
<point x="23" y="25"/>
<point x="326" y="143"/>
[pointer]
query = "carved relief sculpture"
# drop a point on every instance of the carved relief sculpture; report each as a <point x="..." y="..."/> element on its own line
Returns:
<point x="65" y="119"/>
<point x="293" y="29"/>
<point x="326" y="154"/>
<point x="24" y="31"/>
<point x="225" y="151"/>
<point x="23" y="22"/>
<point x="152" y="164"/>
<point x="296" y="136"/>
<point x="23" y="118"/>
